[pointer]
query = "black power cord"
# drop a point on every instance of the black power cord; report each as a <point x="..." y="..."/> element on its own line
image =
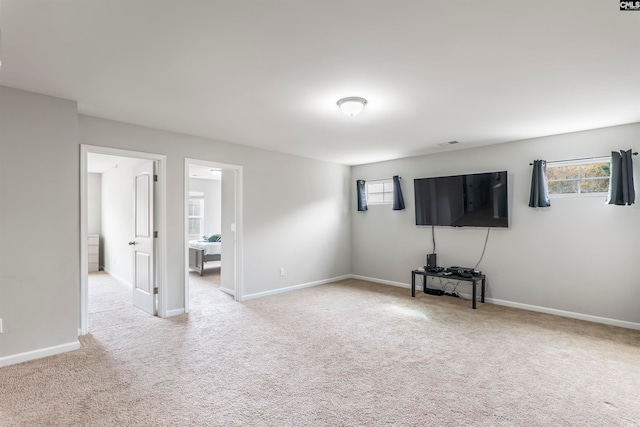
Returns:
<point x="433" y="236"/>
<point x="483" y="249"/>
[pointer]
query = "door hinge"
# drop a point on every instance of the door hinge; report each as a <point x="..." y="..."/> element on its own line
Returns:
<point x="155" y="178"/>
<point x="155" y="291"/>
<point x="155" y="234"/>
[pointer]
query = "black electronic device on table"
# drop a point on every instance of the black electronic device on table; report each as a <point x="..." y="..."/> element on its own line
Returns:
<point x="431" y="262"/>
<point x="463" y="271"/>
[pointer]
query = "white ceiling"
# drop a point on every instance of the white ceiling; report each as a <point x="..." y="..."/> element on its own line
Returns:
<point x="101" y="163"/>
<point x="205" y="172"/>
<point x="268" y="73"/>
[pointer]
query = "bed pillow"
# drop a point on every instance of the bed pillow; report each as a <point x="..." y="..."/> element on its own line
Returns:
<point x="215" y="238"/>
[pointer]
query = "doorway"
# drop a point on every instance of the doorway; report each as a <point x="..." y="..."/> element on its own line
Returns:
<point x="213" y="227"/>
<point x="136" y="207"/>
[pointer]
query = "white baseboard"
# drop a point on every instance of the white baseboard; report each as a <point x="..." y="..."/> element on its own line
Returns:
<point x="293" y="288"/>
<point x="570" y="314"/>
<point x="381" y="281"/>
<point x="38" y="354"/>
<point x="562" y="313"/>
<point x="176" y="312"/>
<point x="118" y="278"/>
<point x="228" y="291"/>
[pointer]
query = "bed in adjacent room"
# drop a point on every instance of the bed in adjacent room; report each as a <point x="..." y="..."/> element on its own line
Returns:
<point x="201" y="252"/>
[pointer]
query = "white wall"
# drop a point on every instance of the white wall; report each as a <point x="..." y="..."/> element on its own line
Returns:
<point x="296" y="210"/>
<point x="212" y="190"/>
<point x="228" y="218"/>
<point x="578" y="255"/>
<point x="94" y="209"/>
<point x="39" y="224"/>
<point x="94" y="203"/>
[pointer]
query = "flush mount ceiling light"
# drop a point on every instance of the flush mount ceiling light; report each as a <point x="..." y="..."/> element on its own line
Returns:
<point x="352" y="106"/>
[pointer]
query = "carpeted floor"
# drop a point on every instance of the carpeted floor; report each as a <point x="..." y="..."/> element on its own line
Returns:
<point x="350" y="353"/>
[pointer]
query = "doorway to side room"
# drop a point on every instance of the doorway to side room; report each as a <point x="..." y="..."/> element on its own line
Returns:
<point x="212" y="229"/>
<point x="122" y="230"/>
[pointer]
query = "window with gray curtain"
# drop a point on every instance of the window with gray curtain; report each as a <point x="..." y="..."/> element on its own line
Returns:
<point x="539" y="197"/>
<point x="362" y="195"/>
<point x="621" y="189"/>
<point x="398" y="200"/>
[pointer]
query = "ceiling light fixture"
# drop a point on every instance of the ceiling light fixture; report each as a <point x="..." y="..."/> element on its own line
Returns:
<point x="352" y="106"/>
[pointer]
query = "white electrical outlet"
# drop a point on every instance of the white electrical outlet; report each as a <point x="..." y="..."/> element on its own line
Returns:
<point x="282" y="271"/>
<point x="1" y="330"/>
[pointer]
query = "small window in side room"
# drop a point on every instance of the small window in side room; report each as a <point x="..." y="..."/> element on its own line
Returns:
<point x="196" y="215"/>
<point x="380" y="192"/>
<point x="579" y="178"/>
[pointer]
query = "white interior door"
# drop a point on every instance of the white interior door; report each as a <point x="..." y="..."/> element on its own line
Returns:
<point x="143" y="240"/>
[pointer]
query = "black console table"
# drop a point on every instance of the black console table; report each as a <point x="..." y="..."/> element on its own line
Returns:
<point x="473" y="279"/>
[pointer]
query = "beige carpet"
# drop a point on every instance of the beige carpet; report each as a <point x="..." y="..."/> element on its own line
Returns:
<point x="345" y="354"/>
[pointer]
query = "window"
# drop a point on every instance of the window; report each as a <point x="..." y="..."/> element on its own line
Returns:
<point x="380" y="192"/>
<point x="196" y="216"/>
<point x="589" y="177"/>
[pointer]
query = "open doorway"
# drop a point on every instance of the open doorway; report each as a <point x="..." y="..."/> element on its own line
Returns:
<point x="204" y="222"/>
<point x="122" y="235"/>
<point x="212" y="228"/>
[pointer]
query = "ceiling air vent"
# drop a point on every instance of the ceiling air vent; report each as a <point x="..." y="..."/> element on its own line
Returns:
<point x="444" y="144"/>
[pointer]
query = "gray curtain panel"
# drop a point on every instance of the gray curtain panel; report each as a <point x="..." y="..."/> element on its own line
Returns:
<point x="362" y="195"/>
<point x="398" y="200"/>
<point x="621" y="191"/>
<point x="539" y="197"/>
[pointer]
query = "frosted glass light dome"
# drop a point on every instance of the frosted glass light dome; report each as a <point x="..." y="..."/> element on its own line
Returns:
<point x="352" y="105"/>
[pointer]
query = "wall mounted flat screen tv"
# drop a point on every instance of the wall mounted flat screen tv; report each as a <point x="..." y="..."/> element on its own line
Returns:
<point x="474" y="200"/>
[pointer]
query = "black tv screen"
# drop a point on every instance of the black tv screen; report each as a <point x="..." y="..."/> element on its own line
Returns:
<point x="474" y="200"/>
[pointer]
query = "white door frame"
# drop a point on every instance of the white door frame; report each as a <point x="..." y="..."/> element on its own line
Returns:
<point x="238" y="209"/>
<point x="161" y="226"/>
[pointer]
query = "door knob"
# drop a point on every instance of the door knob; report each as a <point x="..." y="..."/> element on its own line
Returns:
<point x="132" y="243"/>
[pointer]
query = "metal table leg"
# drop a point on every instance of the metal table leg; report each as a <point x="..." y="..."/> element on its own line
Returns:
<point x="473" y="303"/>
<point x="413" y="284"/>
